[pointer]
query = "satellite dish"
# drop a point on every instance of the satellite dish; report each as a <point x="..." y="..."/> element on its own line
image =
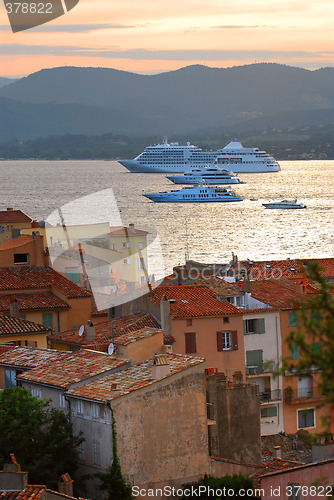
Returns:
<point x="111" y="348"/>
<point x="81" y="330"/>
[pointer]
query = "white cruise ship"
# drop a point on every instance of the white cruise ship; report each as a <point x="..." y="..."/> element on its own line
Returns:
<point x="173" y="158"/>
<point x="195" y="194"/>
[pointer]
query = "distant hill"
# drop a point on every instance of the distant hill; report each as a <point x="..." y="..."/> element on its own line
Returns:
<point x="191" y="99"/>
<point x="5" y="81"/>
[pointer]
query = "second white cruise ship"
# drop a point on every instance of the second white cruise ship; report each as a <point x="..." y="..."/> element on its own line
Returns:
<point x="174" y="158"/>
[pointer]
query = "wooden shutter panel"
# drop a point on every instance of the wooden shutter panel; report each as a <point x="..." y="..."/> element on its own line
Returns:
<point x="234" y="335"/>
<point x="219" y="341"/>
<point x="261" y="325"/>
<point x="244" y="326"/>
<point x="190" y="339"/>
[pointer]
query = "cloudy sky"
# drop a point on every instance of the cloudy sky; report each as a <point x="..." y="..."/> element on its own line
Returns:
<point x="154" y="35"/>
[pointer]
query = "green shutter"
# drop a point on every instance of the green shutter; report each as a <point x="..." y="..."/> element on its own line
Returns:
<point x="292" y="319"/>
<point x="47" y="319"/>
<point x="316" y="347"/>
<point x="255" y="358"/>
<point x="261" y="325"/>
<point x="294" y="351"/>
<point x="272" y="411"/>
<point x="244" y="325"/>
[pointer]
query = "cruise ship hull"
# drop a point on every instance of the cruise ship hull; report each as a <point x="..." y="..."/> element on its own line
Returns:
<point x="135" y="167"/>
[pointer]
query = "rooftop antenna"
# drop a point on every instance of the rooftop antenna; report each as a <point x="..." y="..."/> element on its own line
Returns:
<point x="187" y="248"/>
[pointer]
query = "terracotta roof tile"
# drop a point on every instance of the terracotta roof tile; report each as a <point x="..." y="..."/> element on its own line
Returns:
<point x="125" y="231"/>
<point x="13" y="216"/>
<point x="288" y="268"/>
<point x="278" y="294"/>
<point x="107" y="330"/>
<point x="32" y="277"/>
<point x="32" y="301"/>
<point x="31" y="492"/>
<point x="12" y="325"/>
<point x="27" y="357"/>
<point x="20" y="241"/>
<point x="193" y="301"/>
<point x="73" y="368"/>
<point x="129" y="338"/>
<point x="275" y="465"/>
<point x="131" y="379"/>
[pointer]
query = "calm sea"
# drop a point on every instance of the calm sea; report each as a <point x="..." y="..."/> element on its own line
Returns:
<point x="211" y="231"/>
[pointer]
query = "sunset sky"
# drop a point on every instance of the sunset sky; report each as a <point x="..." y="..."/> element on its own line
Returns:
<point x="153" y="36"/>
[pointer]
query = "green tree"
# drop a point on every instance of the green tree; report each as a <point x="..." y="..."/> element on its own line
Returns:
<point x="40" y="437"/>
<point x="112" y="481"/>
<point x="242" y="486"/>
<point x="314" y="335"/>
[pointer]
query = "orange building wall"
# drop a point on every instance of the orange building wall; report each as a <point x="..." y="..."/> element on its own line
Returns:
<point x="38" y="340"/>
<point x="206" y="342"/>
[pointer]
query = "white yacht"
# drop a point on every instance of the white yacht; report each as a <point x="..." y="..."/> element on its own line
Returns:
<point x="205" y="175"/>
<point x="174" y="158"/>
<point x="195" y="194"/>
<point x="285" y="204"/>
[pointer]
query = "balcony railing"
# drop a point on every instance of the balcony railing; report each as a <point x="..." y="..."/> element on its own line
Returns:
<point x="274" y="395"/>
<point x="291" y="395"/>
<point x="267" y="367"/>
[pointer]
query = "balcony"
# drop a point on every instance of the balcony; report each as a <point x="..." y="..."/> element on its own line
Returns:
<point x="302" y="394"/>
<point x="268" y="396"/>
<point x="261" y="368"/>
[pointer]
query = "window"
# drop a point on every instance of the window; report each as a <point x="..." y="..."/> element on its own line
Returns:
<point x="141" y="264"/>
<point x="316" y="347"/>
<point x="82" y="451"/>
<point x="227" y="341"/>
<point x="80" y="407"/>
<point x="141" y="246"/>
<point x="37" y="393"/>
<point x="47" y="319"/>
<point x="254" y="361"/>
<point x="189" y="322"/>
<point x="190" y="341"/>
<point x="252" y="326"/>
<point x="95" y="410"/>
<point x="226" y="319"/>
<point x="21" y="258"/>
<point x="294" y="351"/>
<point x="126" y="245"/>
<point x="23" y="316"/>
<point x="96" y="452"/>
<point x="292" y="319"/>
<point x="306" y="418"/>
<point x="62" y="401"/>
<point x="126" y="261"/>
<point x="73" y="276"/>
<point x="2" y="229"/>
<point x="270" y="411"/>
<point x="10" y="378"/>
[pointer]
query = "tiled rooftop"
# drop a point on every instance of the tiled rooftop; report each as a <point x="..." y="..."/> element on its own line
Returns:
<point x="32" y="301"/>
<point x="72" y="368"/>
<point x="131" y="379"/>
<point x="27" y="357"/>
<point x="31" y="492"/>
<point x="129" y="338"/>
<point x="288" y="268"/>
<point x="277" y="293"/>
<point x="275" y="465"/>
<point x="216" y="283"/>
<point x="193" y="301"/>
<point x="33" y="277"/>
<point x="12" y="325"/>
<point x="107" y="330"/>
<point x="13" y="216"/>
<point x="20" y="241"/>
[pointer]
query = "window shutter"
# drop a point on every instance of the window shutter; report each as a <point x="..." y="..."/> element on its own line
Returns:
<point x="190" y="339"/>
<point x="294" y="351"/>
<point x="316" y="347"/>
<point x="261" y="325"/>
<point x="272" y="411"/>
<point x="219" y="341"/>
<point x="244" y="325"/>
<point x="234" y="335"/>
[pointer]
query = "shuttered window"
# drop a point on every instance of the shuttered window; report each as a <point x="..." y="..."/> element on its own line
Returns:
<point x="292" y="319"/>
<point x="294" y="351"/>
<point x="252" y="326"/>
<point x="190" y="343"/>
<point x="227" y="341"/>
<point x="255" y="359"/>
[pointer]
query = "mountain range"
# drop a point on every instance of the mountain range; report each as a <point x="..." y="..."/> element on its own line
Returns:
<point x="189" y="100"/>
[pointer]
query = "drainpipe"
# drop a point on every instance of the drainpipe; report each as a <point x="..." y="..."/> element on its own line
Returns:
<point x="58" y="318"/>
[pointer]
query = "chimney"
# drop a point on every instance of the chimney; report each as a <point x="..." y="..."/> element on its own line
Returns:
<point x="9" y="209"/>
<point x="14" y="310"/>
<point x="277" y="452"/>
<point x="165" y="316"/>
<point x="11" y="477"/>
<point x="131" y="228"/>
<point x="160" y="367"/>
<point x="39" y="248"/>
<point x="246" y="285"/>
<point x="90" y="332"/>
<point x="65" y="485"/>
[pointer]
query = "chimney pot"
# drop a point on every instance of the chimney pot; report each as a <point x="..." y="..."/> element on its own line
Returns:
<point x="277" y="452"/>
